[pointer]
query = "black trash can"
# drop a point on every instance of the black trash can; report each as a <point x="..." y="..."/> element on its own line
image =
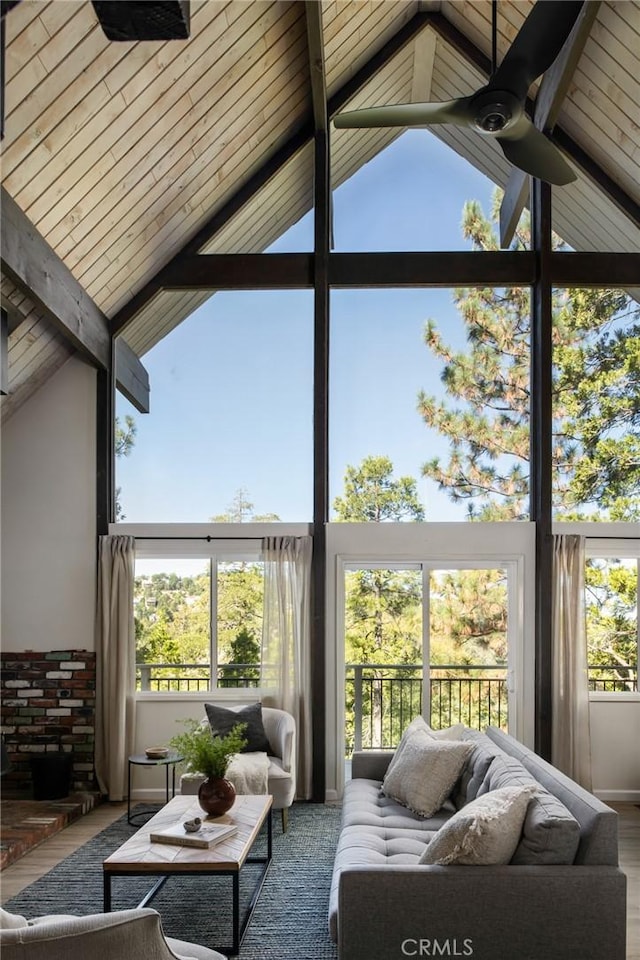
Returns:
<point x="51" y="773"/>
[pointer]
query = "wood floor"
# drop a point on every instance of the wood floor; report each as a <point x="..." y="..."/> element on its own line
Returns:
<point x="33" y="865"/>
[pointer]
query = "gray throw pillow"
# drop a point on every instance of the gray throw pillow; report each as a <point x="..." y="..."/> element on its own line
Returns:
<point x="222" y="720"/>
<point x="551" y="834"/>
<point x="425" y="772"/>
<point x="486" y="831"/>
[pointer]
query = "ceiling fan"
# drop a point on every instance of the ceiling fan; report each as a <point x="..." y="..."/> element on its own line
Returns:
<point x="498" y="109"/>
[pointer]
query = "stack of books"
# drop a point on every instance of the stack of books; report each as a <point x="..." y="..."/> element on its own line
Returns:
<point x="208" y="834"/>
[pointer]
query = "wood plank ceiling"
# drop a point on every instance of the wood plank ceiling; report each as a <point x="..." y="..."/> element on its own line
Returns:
<point x="119" y="152"/>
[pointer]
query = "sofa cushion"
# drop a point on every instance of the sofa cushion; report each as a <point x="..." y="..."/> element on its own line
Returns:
<point x="475" y="766"/>
<point x="222" y="720"/>
<point x="551" y="834"/>
<point x="486" y="831"/>
<point x="419" y="723"/>
<point x="365" y="846"/>
<point x="425" y="772"/>
<point x="364" y="805"/>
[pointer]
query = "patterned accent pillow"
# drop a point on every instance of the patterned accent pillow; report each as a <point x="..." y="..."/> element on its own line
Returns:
<point x="485" y="831"/>
<point x="424" y="774"/>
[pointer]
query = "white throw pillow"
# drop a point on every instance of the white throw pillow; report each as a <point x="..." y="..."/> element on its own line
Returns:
<point x="418" y="723"/>
<point x="485" y="831"/>
<point x="425" y="772"/>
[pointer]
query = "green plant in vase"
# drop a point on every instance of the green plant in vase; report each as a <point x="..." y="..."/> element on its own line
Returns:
<point x="210" y="756"/>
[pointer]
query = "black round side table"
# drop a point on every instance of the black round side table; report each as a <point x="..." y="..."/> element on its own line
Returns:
<point x="142" y="760"/>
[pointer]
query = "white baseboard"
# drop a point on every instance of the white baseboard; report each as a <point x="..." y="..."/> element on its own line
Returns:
<point x="331" y="796"/>
<point x="618" y="796"/>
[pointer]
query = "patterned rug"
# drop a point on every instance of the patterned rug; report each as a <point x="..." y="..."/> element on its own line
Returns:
<point x="290" y="919"/>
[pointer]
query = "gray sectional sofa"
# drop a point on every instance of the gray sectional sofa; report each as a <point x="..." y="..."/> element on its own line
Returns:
<point x="562" y="896"/>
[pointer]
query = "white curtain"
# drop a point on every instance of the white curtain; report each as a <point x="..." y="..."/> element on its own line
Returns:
<point x="115" y="664"/>
<point x="286" y="669"/>
<point x="571" y="738"/>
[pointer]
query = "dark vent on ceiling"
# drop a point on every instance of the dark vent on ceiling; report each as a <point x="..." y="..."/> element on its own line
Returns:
<point x="143" y="19"/>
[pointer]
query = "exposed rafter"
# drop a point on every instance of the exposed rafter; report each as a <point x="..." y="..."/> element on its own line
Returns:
<point x="553" y="89"/>
<point x="305" y="132"/>
<point x="574" y="151"/>
<point x="249" y="190"/>
<point x="313" y="11"/>
<point x="35" y="268"/>
<point x="4" y="352"/>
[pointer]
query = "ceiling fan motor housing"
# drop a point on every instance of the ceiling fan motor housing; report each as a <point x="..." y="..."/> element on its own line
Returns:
<point x="495" y="111"/>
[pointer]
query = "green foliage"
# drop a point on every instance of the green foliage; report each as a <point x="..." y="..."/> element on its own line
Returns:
<point x="486" y="414"/>
<point x="204" y="753"/>
<point x="371" y="494"/>
<point x="124" y="440"/>
<point x="240" y="510"/>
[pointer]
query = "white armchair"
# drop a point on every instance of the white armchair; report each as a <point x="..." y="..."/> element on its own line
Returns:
<point x="280" y="729"/>
<point x="102" y="936"/>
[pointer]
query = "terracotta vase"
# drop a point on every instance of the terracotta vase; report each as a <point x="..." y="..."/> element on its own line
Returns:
<point x="216" y="795"/>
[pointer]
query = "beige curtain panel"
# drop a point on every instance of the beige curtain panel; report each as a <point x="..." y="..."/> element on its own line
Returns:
<point x="571" y="737"/>
<point x="115" y="664"/>
<point x="286" y="668"/>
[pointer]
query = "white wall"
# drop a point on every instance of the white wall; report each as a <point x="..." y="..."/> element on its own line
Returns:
<point x="615" y="746"/>
<point x="48" y="510"/>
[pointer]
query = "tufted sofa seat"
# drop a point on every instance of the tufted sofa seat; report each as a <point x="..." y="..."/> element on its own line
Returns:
<point x="561" y="897"/>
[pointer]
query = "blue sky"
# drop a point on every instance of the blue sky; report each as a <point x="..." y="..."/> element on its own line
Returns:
<point x="231" y="387"/>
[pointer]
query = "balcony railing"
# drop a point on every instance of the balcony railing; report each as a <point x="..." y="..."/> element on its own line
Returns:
<point x="191" y="677"/>
<point x="613" y="678"/>
<point x="384" y="698"/>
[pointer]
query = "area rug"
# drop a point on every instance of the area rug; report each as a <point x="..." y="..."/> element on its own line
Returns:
<point x="290" y="919"/>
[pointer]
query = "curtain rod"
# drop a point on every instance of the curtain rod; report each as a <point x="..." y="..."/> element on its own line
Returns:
<point x="207" y="538"/>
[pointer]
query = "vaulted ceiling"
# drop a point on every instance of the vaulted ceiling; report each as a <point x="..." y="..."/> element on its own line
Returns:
<point x="120" y="155"/>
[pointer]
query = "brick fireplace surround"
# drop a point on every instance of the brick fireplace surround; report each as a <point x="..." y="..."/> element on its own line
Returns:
<point x="48" y="704"/>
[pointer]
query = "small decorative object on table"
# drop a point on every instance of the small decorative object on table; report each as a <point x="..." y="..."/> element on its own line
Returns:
<point x="157" y="753"/>
<point x="191" y="826"/>
<point x="204" y="836"/>
<point x="210" y="756"/>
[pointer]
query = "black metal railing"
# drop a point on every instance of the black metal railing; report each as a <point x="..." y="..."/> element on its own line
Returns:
<point x="383" y="698"/>
<point x="613" y="678"/>
<point x="191" y="677"/>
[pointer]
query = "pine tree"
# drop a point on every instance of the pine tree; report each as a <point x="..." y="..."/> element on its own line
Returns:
<point x="486" y="413"/>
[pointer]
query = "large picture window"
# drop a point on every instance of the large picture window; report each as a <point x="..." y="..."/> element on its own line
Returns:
<point x="198" y="622"/>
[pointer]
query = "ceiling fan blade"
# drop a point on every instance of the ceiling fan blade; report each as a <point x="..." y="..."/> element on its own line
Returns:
<point x="536" y="46"/>
<point x="527" y="148"/>
<point x="407" y="114"/>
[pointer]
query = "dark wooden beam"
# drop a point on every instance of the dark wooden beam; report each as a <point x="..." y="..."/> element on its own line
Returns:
<point x="541" y="460"/>
<point x="105" y="446"/>
<point x="14" y="315"/>
<point x="315" y="43"/>
<point x="595" y="269"/>
<point x="4" y="352"/>
<point x="553" y="89"/>
<point x="322" y="197"/>
<point x="299" y="139"/>
<point x="132" y="379"/>
<point x="37" y="270"/>
<point x="29" y="261"/>
<point x="415" y="269"/>
<point x="251" y="271"/>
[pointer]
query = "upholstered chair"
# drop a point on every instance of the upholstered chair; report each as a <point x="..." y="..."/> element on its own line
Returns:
<point x="280" y="729"/>
<point x="121" y="935"/>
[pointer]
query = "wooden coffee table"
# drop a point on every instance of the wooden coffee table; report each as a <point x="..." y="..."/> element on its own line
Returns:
<point x="138" y="857"/>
